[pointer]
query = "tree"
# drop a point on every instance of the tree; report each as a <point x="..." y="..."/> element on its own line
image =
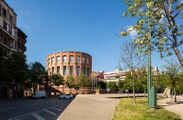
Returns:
<point x="18" y="68"/>
<point x="164" y="19"/>
<point x="84" y="81"/>
<point x="70" y="82"/>
<point x="173" y="70"/>
<point x="142" y="78"/>
<point x="112" y="86"/>
<point x="77" y="82"/>
<point x="36" y="70"/>
<point x="101" y="85"/>
<point x="57" y="80"/>
<point x="132" y="60"/>
<point x="120" y="85"/>
<point x="5" y="74"/>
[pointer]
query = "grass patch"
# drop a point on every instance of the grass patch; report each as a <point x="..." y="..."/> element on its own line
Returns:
<point x="126" y="110"/>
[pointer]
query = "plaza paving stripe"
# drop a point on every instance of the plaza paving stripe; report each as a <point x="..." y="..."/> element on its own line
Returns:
<point x="56" y="109"/>
<point x="49" y="112"/>
<point x="37" y="116"/>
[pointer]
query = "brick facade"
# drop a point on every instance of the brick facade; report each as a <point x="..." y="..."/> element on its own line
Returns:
<point x="69" y="63"/>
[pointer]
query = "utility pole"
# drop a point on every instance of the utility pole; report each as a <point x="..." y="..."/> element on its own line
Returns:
<point x="150" y="87"/>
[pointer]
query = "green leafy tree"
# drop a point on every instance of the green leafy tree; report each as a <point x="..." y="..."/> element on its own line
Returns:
<point x="164" y="19"/>
<point x="160" y="81"/>
<point x="112" y="86"/>
<point x="57" y="80"/>
<point x="132" y="60"/>
<point x="84" y="81"/>
<point x="101" y="85"/>
<point x="179" y="87"/>
<point x="36" y="70"/>
<point x="173" y="70"/>
<point x="121" y="85"/>
<point x="18" y="68"/>
<point x="142" y="79"/>
<point x="70" y="82"/>
<point x="5" y="74"/>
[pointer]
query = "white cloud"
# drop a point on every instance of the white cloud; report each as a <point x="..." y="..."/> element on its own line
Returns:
<point x="132" y="31"/>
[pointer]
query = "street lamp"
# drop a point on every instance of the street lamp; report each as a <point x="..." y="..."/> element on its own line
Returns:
<point x="150" y="87"/>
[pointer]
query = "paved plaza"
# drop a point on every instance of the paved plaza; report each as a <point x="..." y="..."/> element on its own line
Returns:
<point x="91" y="107"/>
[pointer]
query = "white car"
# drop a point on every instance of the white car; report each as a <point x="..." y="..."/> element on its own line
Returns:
<point x="65" y="96"/>
<point x="39" y="94"/>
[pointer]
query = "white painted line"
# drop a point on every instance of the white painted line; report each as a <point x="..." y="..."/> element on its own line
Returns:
<point x="56" y="109"/>
<point x="19" y="116"/>
<point x="13" y="119"/>
<point x="49" y="112"/>
<point x="37" y="116"/>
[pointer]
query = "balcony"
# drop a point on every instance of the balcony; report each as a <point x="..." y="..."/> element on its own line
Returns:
<point x="6" y="33"/>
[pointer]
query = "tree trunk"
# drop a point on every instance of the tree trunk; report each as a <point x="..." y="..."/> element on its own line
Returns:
<point x="174" y="91"/>
<point x="177" y="52"/>
<point x="175" y="96"/>
<point x="134" y="100"/>
<point x="144" y="92"/>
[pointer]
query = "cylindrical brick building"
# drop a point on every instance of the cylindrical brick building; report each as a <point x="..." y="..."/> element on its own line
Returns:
<point x="69" y="63"/>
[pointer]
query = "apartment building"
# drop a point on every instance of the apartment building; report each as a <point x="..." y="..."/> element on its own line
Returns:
<point x="12" y="40"/>
<point x="8" y="30"/>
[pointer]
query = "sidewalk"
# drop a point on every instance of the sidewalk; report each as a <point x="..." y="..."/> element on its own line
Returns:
<point x="91" y="107"/>
<point x="168" y="104"/>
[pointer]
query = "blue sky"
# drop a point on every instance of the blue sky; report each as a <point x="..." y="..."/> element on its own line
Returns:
<point x="91" y="26"/>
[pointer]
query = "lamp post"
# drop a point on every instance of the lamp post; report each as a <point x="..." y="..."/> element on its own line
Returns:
<point x="150" y="87"/>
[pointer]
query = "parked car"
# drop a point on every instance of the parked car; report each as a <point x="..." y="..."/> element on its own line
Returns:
<point x="65" y="96"/>
<point x="39" y="94"/>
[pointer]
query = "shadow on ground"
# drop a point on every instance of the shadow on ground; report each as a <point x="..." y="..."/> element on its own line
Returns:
<point x="33" y="109"/>
<point x="130" y="96"/>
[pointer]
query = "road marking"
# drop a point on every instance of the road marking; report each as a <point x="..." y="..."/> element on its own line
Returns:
<point x="37" y="116"/>
<point x="31" y="113"/>
<point x="49" y="112"/>
<point x="56" y="109"/>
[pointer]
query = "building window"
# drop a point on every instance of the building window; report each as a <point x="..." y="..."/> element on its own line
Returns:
<point x="71" y="58"/>
<point x="58" y="69"/>
<point x="5" y="25"/>
<point x="88" y="61"/>
<point x="52" y="71"/>
<point x="78" y="59"/>
<point x="84" y="60"/>
<point x="64" y="70"/>
<point x="77" y="70"/>
<point x="4" y="12"/>
<point x="48" y="61"/>
<point x="84" y="70"/>
<point x="88" y="71"/>
<point x="13" y="31"/>
<point x="5" y="41"/>
<point x="10" y="29"/>
<point x="58" y="59"/>
<point x="52" y="60"/>
<point x="71" y="70"/>
<point x="64" y="58"/>
<point x="11" y="19"/>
